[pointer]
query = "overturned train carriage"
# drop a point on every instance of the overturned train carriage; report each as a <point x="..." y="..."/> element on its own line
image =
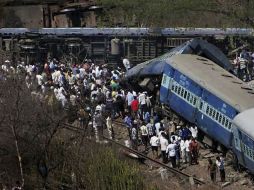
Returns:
<point x="109" y="44"/>
<point x="207" y="95"/>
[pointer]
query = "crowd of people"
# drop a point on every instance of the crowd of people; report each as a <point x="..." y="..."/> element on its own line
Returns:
<point x="100" y="98"/>
<point x="244" y="65"/>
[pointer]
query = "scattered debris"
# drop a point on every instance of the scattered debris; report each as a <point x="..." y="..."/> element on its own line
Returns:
<point x="225" y="184"/>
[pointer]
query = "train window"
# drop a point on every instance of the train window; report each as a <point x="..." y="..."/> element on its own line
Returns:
<point x="211" y="112"/>
<point x="191" y="98"/>
<point x="226" y="122"/>
<point x="179" y="90"/>
<point x="194" y="101"/>
<point x="176" y="88"/>
<point x="229" y="125"/>
<point x="185" y="94"/>
<point x="188" y="96"/>
<point x="164" y="79"/>
<point x="207" y="110"/>
<point x="173" y="87"/>
<point x="217" y="116"/>
<point x="248" y="151"/>
<point x="220" y="117"/>
<point x="223" y="120"/>
<point x="182" y="92"/>
<point x="201" y="105"/>
<point x="214" y="112"/>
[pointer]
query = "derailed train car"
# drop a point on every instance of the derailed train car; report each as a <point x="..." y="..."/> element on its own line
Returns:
<point x="219" y="103"/>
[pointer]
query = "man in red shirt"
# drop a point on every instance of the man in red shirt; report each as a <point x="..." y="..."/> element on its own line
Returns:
<point x="134" y="106"/>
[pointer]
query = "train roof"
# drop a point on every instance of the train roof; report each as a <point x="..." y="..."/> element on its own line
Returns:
<point x="244" y="121"/>
<point x="215" y="79"/>
<point x="129" y="31"/>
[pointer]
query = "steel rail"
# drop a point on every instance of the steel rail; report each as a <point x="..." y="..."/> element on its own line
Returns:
<point x="178" y="172"/>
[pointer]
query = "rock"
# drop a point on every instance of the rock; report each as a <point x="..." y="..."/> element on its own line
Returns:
<point x="244" y="182"/>
<point x="164" y="174"/>
<point x="236" y="178"/>
<point x="201" y="179"/>
<point x="191" y="180"/>
<point x="225" y="184"/>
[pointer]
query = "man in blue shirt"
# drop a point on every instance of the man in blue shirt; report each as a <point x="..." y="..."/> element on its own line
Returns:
<point x="128" y="123"/>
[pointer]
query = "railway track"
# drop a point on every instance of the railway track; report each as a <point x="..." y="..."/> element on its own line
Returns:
<point x="141" y="155"/>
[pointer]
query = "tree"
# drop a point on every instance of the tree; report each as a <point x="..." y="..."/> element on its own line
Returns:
<point x="42" y="153"/>
<point x="184" y="13"/>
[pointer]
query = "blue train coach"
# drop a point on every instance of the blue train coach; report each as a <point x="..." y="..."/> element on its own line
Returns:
<point x="205" y="94"/>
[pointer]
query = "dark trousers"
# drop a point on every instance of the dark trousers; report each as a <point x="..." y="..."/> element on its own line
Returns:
<point x="173" y="161"/>
<point x="194" y="157"/>
<point x="222" y="175"/>
<point x="164" y="156"/>
<point x="213" y="176"/>
<point x="144" y="139"/>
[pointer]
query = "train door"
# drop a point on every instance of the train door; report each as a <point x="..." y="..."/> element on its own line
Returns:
<point x="166" y="84"/>
<point x="237" y="136"/>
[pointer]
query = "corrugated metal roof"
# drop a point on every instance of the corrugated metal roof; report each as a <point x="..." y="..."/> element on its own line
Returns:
<point x="214" y="78"/>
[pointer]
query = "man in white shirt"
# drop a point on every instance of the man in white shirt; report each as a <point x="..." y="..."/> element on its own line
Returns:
<point x="172" y="153"/>
<point x="183" y="151"/>
<point x="188" y="153"/>
<point x="154" y="141"/>
<point x="142" y="103"/>
<point x="164" y="144"/>
<point x="194" y="131"/>
<point x="126" y="64"/>
<point x="144" y="135"/>
<point x="157" y="125"/>
<point x="129" y="99"/>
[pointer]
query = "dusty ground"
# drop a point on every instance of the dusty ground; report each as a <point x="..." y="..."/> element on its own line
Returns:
<point x="152" y="172"/>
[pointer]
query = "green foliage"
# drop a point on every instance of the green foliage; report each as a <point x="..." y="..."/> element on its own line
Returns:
<point x="186" y="13"/>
